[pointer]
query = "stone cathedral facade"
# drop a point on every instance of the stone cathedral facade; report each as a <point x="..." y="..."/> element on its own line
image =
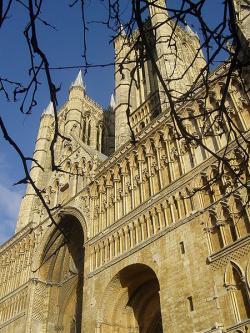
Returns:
<point x="142" y="251"/>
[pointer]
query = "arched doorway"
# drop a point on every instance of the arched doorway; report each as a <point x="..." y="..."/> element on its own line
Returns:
<point x="62" y="264"/>
<point x="132" y="303"/>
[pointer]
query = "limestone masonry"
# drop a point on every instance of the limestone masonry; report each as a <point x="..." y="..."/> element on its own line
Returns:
<point x="145" y="253"/>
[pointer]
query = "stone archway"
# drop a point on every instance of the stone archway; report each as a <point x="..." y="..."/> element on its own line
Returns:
<point x="61" y="268"/>
<point x="131" y="302"/>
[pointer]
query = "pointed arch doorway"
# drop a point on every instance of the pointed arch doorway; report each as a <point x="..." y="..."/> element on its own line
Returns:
<point x="131" y="303"/>
<point x="62" y="266"/>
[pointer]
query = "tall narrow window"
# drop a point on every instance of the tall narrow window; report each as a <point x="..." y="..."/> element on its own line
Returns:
<point x="190" y="303"/>
<point x="238" y="293"/>
<point x="182" y="247"/>
<point x="89" y="132"/>
<point x="241" y="296"/>
<point x="97" y="137"/>
<point x="216" y="233"/>
<point x="84" y="130"/>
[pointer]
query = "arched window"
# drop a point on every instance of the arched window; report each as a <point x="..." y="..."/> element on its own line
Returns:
<point x="54" y="193"/>
<point x="89" y="133"/>
<point x="242" y="217"/>
<point x="97" y="137"/>
<point x="238" y="293"/>
<point x="74" y="178"/>
<point x="216" y="232"/>
<point x="84" y="130"/>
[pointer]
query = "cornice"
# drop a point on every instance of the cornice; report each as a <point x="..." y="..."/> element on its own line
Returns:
<point x="6" y="323"/>
<point x="229" y="249"/>
<point x="239" y="325"/>
<point x="16" y="291"/>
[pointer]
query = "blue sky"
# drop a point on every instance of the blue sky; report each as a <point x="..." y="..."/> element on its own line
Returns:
<point x="63" y="47"/>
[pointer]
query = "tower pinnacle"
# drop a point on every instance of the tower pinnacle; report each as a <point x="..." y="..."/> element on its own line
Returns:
<point x="49" y="111"/>
<point x="79" y="81"/>
<point x="190" y="31"/>
<point x="122" y="31"/>
<point x="112" y="102"/>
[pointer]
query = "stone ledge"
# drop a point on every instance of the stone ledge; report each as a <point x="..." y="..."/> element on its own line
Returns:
<point x="12" y="319"/>
<point x="240" y="325"/>
<point x="217" y="328"/>
<point x="16" y="237"/>
<point x="13" y="292"/>
<point x="227" y="250"/>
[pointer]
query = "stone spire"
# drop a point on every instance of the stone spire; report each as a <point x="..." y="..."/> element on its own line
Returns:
<point x="78" y="81"/>
<point x="122" y="30"/>
<point x="49" y="111"/>
<point x="112" y="102"/>
<point x="77" y="89"/>
<point x="190" y="31"/>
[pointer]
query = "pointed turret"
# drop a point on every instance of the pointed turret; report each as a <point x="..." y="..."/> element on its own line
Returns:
<point x="122" y="30"/>
<point x="79" y="81"/>
<point x="77" y="88"/>
<point x="75" y="104"/>
<point x="112" y="102"/>
<point x="49" y="110"/>
<point x="190" y="31"/>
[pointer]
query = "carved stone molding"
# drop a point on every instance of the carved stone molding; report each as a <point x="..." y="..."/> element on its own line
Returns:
<point x="233" y="251"/>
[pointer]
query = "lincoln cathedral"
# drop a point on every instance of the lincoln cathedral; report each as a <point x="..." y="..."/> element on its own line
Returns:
<point x="145" y="242"/>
